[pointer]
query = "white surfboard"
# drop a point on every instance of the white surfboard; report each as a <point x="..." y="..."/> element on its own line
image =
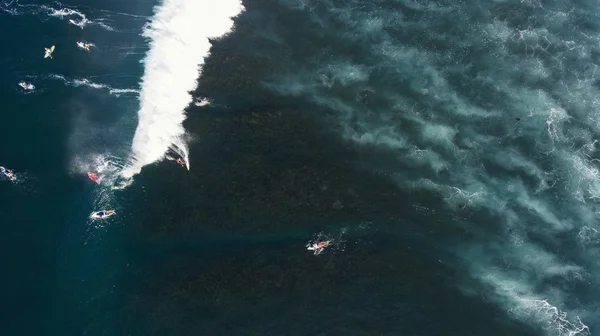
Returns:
<point x="49" y="52"/>
<point x="106" y="214"/>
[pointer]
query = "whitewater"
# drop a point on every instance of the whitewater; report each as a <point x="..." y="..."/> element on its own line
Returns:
<point x="179" y="34"/>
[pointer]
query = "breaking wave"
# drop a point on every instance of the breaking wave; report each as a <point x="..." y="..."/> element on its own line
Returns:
<point x="179" y="36"/>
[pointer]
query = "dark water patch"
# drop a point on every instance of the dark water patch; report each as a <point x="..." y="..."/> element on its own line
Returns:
<point x="274" y="289"/>
<point x="266" y="167"/>
<point x="220" y="249"/>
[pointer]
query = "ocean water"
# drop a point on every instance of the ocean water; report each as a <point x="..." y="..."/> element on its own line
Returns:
<point x="449" y="151"/>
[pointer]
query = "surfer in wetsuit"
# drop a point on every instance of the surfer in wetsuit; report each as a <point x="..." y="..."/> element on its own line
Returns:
<point x="318" y="246"/>
<point x="26" y="86"/>
<point x="105" y="213"/>
<point x="84" y="46"/>
<point x="8" y="173"/>
<point x="93" y="177"/>
<point x="48" y="52"/>
<point x="180" y="162"/>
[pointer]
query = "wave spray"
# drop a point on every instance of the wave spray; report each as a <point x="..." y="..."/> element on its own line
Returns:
<point x="179" y="35"/>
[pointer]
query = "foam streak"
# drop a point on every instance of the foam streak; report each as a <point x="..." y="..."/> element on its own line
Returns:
<point x="178" y="33"/>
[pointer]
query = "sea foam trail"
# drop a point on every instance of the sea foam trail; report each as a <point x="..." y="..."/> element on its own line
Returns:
<point x="178" y="33"/>
<point x="77" y="82"/>
<point x="74" y="16"/>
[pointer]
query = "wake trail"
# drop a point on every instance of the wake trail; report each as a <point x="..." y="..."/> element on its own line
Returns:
<point x="179" y="35"/>
<point x="77" y="82"/>
<point x="57" y="10"/>
<point x="75" y="17"/>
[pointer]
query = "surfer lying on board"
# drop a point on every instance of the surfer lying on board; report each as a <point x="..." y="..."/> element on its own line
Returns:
<point x="201" y="101"/>
<point x="103" y="213"/>
<point x="84" y="46"/>
<point x="93" y="177"/>
<point x="8" y="173"/>
<point x="26" y="86"/>
<point x="180" y="162"/>
<point x="318" y="247"/>
<point x="48" y="52"/>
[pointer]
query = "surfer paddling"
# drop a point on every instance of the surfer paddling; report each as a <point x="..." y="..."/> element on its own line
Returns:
<point x="84" y="46"/>
<point x="26" y="86"/>
<point x="48" y="52"/>
<point x="8" y="173"/>
<point x="318" y="247"/>
<point x="202" y="101"/>
<point x="102" y="214"/>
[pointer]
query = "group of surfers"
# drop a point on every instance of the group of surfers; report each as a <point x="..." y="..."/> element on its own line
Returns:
<point x="48" y="54"/>
<point x="317" y="247"/>
<point x="94" y="177"/>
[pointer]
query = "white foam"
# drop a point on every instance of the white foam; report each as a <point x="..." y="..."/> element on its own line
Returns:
<point x="77" y="82"/>
<point x="178" y="33"/>
<point x="62" y="12"/>
<point x="68" y="13"/>
<point x="81" y="20"/>
<point x="588" y="236"/>
<point x="550" y="318"/>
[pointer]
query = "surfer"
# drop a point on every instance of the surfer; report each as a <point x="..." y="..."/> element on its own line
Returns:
<point x="103" y="213"/>
<point x="8" y="173"/>
<point x="26" y="86"/>
<point x="201" y="101"/>
<point x="79" y="24"/>
<point x="84" y="46"/>
<point x="318" y="247"/>
<point x="48" y="52"/>
<point x="93" y="177"/>
<point x="181" y="162"/>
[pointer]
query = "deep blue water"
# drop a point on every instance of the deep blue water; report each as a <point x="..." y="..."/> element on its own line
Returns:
<point x="447" y="149"/>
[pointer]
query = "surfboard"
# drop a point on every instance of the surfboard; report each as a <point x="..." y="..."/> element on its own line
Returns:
<point x="96" y="216"/>
<point x="93" y="177"/>
<point x="49" y="52"/>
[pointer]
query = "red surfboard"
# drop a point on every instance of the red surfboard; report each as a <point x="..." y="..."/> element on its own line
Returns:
<point x="93" y="177"/>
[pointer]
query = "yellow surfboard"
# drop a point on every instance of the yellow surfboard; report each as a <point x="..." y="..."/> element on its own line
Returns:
<point x="49" y="52"/>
